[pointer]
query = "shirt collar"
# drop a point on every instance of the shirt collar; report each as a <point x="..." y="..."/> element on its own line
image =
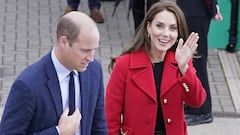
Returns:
<point x="62" y="72"/>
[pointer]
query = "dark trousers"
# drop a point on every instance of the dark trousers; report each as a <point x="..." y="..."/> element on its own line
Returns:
<point x="91" y="4"/>
<point x="138" y="10"/>
<point x="201" y="26"/>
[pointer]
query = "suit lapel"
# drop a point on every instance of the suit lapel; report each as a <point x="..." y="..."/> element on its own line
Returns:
<point x="56" y="95"/>
<point x="53" y="85"/>
<point x="84" y="88"/>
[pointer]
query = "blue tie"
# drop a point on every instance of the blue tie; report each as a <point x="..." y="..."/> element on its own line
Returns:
<point x="71" y="94"/>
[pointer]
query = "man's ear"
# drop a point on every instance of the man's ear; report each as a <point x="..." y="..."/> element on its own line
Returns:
<point x="63" y="41"/>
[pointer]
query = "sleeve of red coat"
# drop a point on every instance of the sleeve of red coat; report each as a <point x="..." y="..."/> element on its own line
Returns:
<point x="115" y="97"/>
<point x="194" y="94"/>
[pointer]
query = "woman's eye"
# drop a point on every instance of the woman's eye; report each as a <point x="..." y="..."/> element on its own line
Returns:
<point x="160" y="26"/>
<point x="173" y="28"/>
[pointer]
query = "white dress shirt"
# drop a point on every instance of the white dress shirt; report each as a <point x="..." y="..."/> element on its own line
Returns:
<point x="63" y="78"/>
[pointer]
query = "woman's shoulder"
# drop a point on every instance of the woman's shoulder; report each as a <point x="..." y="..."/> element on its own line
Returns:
<point x="123" y="59"/>
<point x="132" y="55"/>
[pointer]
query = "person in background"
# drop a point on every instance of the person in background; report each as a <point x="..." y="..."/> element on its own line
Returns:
<point x="94" y="6"/>
<point x="198" y="14"/>
<point x="38" y="101"/>
<point x="154" y="76"/>
<point x="138" y="10"/>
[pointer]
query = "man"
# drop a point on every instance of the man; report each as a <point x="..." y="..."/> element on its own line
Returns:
<point x="38" y="99"/>
<point x="198" y="14"/>
<point x="94" y="6"/>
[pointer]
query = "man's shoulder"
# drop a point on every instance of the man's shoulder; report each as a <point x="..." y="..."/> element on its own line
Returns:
<point x="95" y="64"/>
<point x="36" y="69"/>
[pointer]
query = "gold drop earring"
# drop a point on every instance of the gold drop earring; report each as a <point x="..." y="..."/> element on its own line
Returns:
<point x="149" y="34"/>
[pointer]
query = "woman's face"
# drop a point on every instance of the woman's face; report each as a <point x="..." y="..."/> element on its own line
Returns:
<point x="163" y="31"/>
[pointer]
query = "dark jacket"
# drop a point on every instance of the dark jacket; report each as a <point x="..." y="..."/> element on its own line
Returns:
<point x="200" y="8"/>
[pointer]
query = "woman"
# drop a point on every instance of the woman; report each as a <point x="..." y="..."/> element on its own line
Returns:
<point x="154" y="76"/>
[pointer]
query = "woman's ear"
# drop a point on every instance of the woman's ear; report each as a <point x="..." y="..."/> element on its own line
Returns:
<point x="148" y="27"/>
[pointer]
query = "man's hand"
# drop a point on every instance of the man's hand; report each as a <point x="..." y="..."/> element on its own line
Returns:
<point x="68" y="125"/>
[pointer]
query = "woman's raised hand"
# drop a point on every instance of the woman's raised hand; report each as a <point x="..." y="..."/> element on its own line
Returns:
<point x="184" y="51"/>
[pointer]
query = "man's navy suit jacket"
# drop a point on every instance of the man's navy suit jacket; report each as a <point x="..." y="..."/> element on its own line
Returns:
<point x="34" y="105"/>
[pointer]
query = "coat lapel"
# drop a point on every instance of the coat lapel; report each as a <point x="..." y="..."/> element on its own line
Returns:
<point x="53" y="85"/>
<point x="170" y="73"/>
<point x="143" y="77"/>
<point x="84" y="89"/>
<point x="56" y="95"/>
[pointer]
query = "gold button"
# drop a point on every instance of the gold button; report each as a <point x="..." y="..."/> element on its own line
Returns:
<point x="185" y="87"/>
<point x="165" y="101"/>
<point x="169" y="120"/>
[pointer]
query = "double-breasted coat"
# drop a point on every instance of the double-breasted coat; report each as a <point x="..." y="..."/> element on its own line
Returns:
<point x="131" y="100"/>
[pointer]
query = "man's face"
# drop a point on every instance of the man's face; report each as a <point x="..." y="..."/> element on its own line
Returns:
<point x="80" y="53"/>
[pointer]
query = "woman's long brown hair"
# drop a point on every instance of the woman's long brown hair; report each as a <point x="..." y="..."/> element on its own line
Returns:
<point x="141" y="38"/>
